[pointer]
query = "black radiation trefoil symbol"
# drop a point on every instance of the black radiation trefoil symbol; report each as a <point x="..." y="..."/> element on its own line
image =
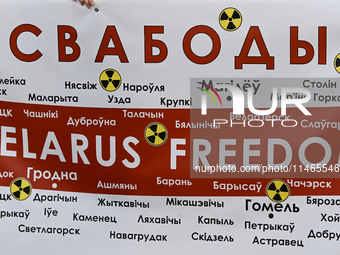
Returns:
<point x="21" y="189"/>
<point x="156" y="134"/>
<point x="230" y="19"/>
<point x="110" y="80"/>
<point x="278" y="191"/>
<point x="337" y="63"/>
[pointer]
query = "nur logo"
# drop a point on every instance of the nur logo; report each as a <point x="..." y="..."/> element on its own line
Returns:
<point x="239" y="99"/>
<point x="205" y="87"/>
